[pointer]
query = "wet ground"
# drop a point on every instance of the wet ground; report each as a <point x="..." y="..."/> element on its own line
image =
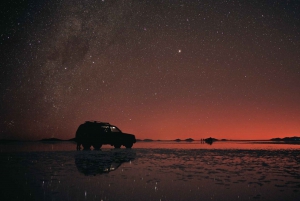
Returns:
<point x="150" y="171"/>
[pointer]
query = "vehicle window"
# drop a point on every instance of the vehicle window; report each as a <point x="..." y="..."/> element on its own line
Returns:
<point x="105" y="129"/>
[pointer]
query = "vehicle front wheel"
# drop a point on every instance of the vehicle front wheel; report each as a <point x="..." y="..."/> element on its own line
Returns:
<point x="128" y="145"/>
<point x="86" y="146"/>
<point x="117" y="146"/>
<point x="97" y="146"/>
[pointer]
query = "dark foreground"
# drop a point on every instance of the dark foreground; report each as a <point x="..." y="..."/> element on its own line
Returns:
<point x="151" y="172"/>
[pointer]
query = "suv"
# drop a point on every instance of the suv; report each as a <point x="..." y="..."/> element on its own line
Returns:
<point x="94" y="133"/>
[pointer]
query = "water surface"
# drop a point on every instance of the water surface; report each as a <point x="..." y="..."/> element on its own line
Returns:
<point x="151" y="171"/>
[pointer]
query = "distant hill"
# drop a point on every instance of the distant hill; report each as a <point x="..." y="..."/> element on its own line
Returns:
<point x="189" y="139"/>
<point x="51" y="139"/>
<point x="210" y="139"/>
<point x="56" y="140"/>
<point x="6" y="140"/>
<point x="144" y="140"/>
<point x="287" y="139"/>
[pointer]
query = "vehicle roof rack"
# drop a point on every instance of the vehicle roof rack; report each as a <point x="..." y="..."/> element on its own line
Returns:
<point x="98" y="122"/>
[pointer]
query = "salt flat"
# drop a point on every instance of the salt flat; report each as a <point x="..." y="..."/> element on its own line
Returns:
<point x="150" y="171"/>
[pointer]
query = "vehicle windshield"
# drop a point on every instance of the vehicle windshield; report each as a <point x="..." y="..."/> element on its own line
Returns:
<point x="114" y="129"/>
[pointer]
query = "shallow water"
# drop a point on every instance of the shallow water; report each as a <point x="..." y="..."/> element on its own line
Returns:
<point x="151" y="171"/>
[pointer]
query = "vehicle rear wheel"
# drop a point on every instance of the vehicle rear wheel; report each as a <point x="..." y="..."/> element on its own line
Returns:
<point x="128" y="145"/>
<point x="78" y="146"/>
<point x="117" y="146"/>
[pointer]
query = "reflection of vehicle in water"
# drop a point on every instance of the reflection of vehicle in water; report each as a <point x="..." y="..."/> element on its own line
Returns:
<point x="98" y="133"/>
<point x="99" y="162"/>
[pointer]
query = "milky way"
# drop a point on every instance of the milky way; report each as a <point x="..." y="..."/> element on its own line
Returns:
<point x="158" y="69"/>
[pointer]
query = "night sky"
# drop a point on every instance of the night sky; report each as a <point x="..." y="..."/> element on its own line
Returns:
<point x="157" y="69"/>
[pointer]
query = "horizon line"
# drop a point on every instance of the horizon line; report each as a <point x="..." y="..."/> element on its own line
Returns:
<point x="145" y="139"/>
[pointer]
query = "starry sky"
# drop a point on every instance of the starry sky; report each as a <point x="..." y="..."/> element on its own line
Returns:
<point x="160" y="69"/>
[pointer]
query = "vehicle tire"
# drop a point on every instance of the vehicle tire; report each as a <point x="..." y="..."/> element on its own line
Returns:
<point x="117" y="146"/>
<point x="78" y="146"/>
<point x="97" y="146"/>
<point x="128" y="145"/>
<point x="86" y="146"/>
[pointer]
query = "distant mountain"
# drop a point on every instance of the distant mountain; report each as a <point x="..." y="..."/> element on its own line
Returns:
<point x="287" y="139"/>
<point x="210" y="139"/>
<point x="51" y="139"/>
<point x="189" y="139"/>
<point x="144" y="140"/>
<point x="276" y="139"/>
<point x="6" y="140"/>
<point x="177" y="140"/>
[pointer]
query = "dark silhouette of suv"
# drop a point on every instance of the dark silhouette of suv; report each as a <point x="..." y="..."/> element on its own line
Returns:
<point x="94" y="133"/>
